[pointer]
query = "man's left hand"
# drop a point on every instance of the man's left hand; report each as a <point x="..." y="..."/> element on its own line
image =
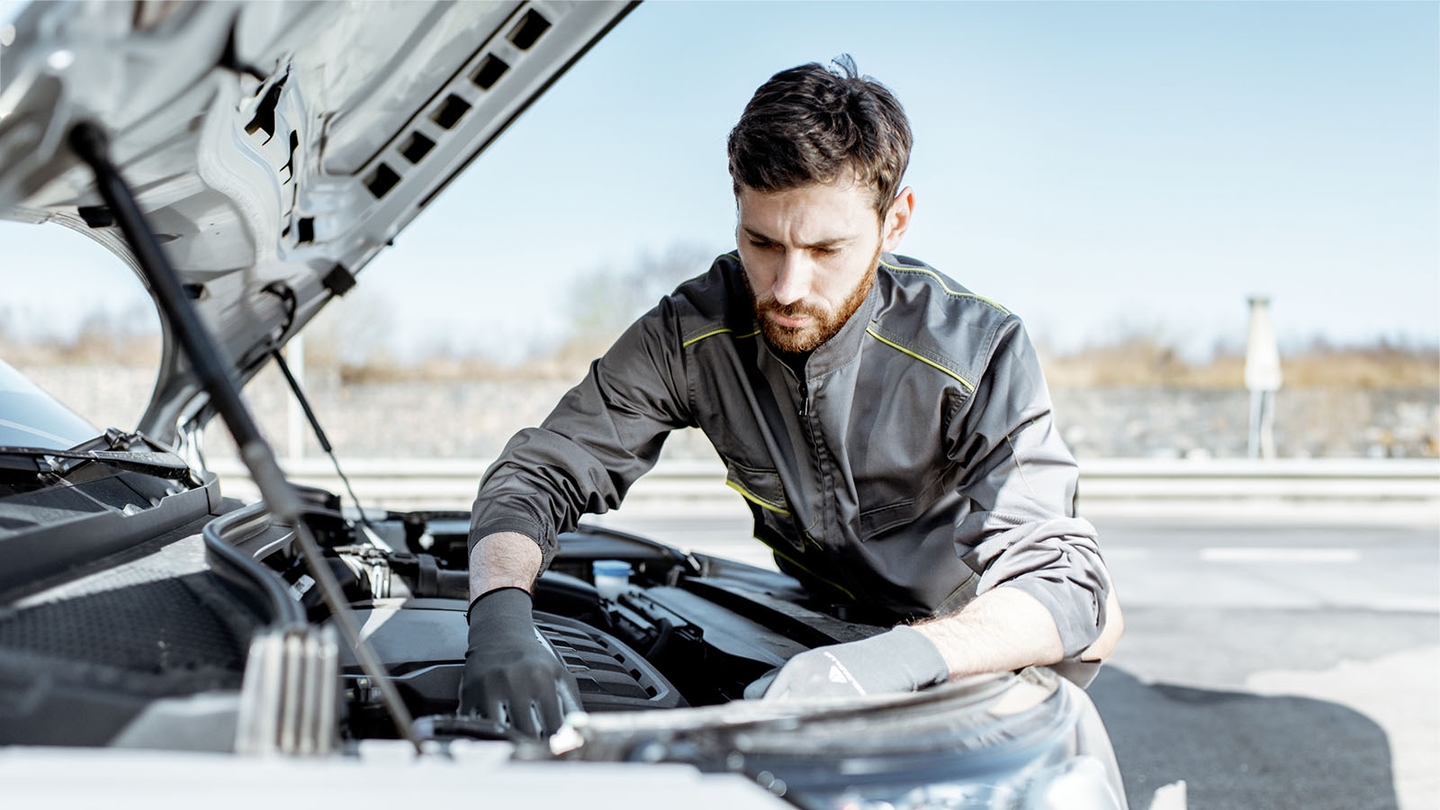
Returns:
<point x="900" y="660"/>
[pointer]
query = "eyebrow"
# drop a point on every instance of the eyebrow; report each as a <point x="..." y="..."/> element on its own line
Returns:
<point x="823" y="243"/>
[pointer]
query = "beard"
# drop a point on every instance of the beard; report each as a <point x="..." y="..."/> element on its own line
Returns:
<point x="824" y="323"/>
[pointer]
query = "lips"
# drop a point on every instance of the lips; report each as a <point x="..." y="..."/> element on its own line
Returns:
<point x="797" y="315"/>
<point x="790" y="321"/>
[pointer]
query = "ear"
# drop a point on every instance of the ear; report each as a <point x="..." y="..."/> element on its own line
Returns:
<point x="897" y="219"/>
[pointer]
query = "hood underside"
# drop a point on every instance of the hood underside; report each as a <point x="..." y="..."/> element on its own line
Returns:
<point x="275" y="147"/>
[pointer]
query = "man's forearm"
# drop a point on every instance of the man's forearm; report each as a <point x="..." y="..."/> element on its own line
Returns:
<point x="503" y="560"/>
<point x="1001" y="630"/>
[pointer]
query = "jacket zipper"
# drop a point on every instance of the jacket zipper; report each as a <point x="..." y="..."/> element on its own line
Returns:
<point x="804" y="399"/>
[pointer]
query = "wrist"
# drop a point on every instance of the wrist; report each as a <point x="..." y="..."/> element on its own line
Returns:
<point x="941" y="640"/>
<point x="503" y="560"/>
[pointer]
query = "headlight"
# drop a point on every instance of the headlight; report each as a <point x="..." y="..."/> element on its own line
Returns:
<point x="1080" y="784"/>
<point x="1076" y="784"/>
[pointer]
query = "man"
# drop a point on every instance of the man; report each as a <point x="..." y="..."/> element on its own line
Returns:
<point x="890" y="431"/>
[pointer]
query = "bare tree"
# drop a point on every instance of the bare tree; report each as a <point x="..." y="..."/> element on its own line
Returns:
<point x="353" y="331"/>
<point x="605" y="300"/>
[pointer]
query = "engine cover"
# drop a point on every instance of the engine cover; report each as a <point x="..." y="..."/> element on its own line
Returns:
<point x="422" y="644"/>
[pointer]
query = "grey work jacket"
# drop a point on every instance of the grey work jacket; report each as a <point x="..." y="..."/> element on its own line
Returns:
<point x="911" y="467"/>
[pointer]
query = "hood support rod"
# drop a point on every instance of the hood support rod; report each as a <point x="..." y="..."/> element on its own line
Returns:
<point x="322" y="438"/>
<point x="90" y="143"/>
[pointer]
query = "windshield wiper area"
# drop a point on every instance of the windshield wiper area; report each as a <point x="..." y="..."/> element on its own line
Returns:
<point x="39" y="460"/>
<point x="113" y="448"/>
<point x="154" y="460"/>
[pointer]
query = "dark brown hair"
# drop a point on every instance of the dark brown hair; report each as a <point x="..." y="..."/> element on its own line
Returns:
<point x="810" y="124"/>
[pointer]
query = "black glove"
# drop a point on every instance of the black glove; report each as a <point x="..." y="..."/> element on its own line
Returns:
<point x="512" y="676"/>
<point x="901" y="660"/>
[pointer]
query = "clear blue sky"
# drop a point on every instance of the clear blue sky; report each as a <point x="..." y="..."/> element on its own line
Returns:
<point x="1096" y="167"/>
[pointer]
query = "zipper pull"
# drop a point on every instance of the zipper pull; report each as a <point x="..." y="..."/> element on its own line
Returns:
<point x="804" y="400"/>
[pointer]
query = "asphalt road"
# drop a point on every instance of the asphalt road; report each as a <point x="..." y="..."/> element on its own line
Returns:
<point x="1268" y="664"/>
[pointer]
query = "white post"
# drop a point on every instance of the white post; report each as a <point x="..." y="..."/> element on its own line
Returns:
<point x="299" y="428"/>
<point x="1262" y="378"/>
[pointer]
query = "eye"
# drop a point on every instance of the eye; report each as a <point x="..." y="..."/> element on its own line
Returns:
<point x="760" y="244"/>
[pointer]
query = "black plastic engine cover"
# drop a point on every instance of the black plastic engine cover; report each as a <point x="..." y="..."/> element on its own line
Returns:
<point x="422" y="644"/>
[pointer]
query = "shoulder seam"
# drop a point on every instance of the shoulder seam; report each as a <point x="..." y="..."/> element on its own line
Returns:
<point x="925" y="271"/>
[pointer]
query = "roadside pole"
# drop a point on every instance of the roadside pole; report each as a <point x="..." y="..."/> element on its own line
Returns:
<point x="1262" y="378"/>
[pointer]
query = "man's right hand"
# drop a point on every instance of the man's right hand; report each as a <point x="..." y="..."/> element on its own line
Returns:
<point x="511" y="675"/>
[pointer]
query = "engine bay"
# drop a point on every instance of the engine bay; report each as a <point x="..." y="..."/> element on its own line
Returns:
<point x="178" y="618"/>
<point x="681" y="630"/>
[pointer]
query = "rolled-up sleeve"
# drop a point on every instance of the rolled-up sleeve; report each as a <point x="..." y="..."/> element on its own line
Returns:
<point x="604" y="434"/>
<point x="1020" y="529"/>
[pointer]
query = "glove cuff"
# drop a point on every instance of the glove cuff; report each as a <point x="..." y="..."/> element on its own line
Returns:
<point x="919" y="654"/>
<point x="509" y="601"/>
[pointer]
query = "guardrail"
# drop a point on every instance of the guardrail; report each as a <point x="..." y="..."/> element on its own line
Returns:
<point x="1321" y="487"/>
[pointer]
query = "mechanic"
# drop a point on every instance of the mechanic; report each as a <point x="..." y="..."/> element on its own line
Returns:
<point x="891" y="432"/>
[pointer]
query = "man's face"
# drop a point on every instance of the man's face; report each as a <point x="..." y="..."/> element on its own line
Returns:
<point x="810" y="255"/>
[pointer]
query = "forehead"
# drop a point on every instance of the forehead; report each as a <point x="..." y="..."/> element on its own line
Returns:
<point x="813" y="212"/>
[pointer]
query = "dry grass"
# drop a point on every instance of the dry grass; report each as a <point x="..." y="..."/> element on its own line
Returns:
<point x="1140" y="361"/>
<point x="1379" y="366"/>
<point x="1137" y="361"/>
<point x="87" y="349"/>
<point x="567" y="363"/>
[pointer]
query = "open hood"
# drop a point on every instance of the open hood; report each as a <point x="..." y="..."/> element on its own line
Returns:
<point x="275" y="147"/>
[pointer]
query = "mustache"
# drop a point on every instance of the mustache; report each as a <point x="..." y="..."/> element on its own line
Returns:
<point x="796" y="309"/>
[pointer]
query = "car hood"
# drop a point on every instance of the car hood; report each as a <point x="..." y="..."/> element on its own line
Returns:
<point x="275" y="147"/>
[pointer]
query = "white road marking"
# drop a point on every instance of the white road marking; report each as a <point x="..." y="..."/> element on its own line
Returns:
<point x="1247" y="554"/>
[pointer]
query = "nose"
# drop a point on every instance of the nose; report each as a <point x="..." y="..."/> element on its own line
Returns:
<point x="793" y="281"/>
